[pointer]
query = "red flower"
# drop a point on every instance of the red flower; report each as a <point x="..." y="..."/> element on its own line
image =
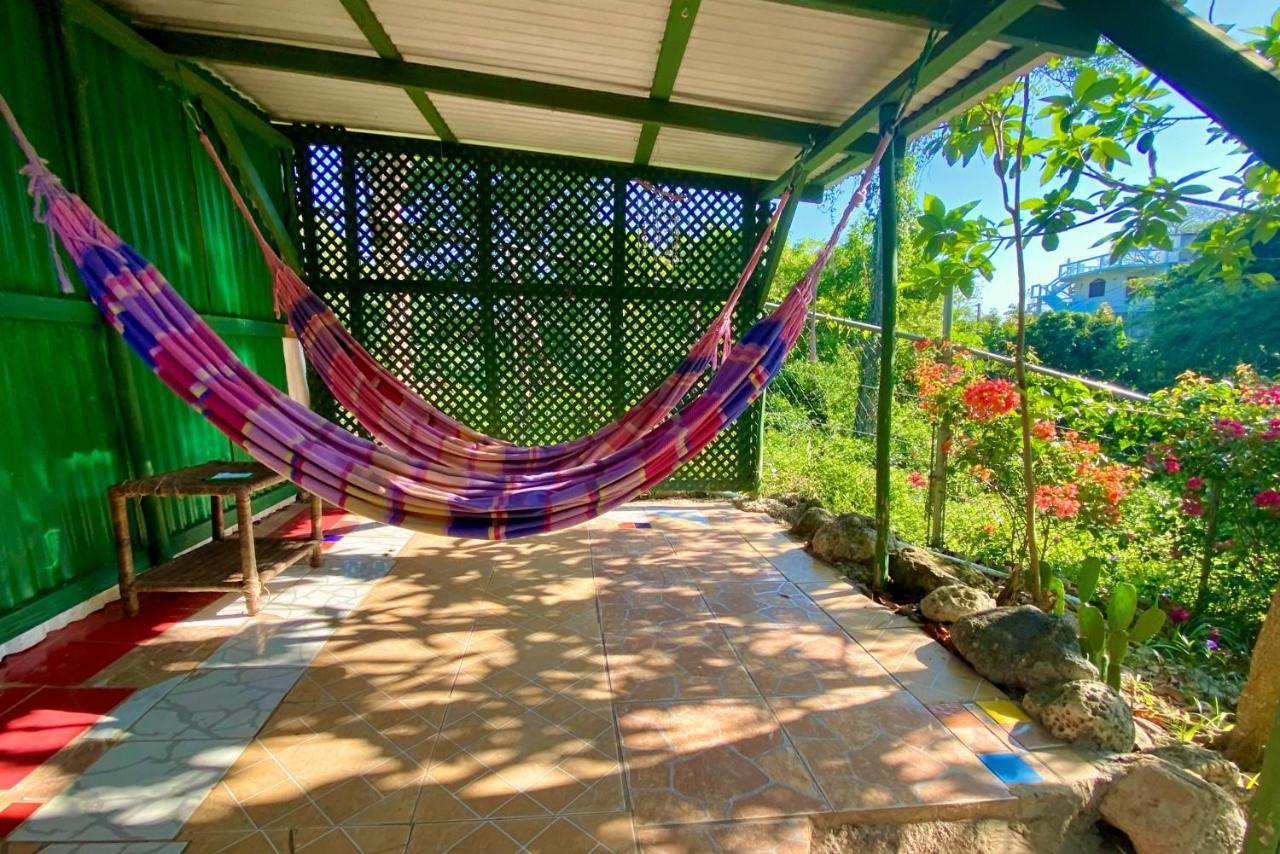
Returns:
<point x="917" y="479"/>
<point x="1230" y="428"/>
<point x="1171" y="464"/>
<point x="1195" y="483"/>
<point x="988" y="399"/>
<point x="988" y="529"/>
<point x="1192" y="507"/>
<point x="1268" y="499"/>
<point x="922" y="345"/>
<point x="1272" y="432"/>
<point x="1061" y="501"/>
<point x="1044" y="430"/>
<point x="1179" y="615"/>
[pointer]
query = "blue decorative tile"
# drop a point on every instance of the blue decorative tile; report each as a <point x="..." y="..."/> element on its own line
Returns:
<point x="1010" y="768"/>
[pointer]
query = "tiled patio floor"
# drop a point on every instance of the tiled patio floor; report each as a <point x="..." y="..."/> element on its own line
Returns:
<point x="677" y="676"/>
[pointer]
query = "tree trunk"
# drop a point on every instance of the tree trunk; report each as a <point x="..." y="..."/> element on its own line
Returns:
<point x="1258" y="702"/>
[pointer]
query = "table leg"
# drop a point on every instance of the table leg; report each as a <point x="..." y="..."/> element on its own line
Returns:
<point x="124" y="552"/>
<point x="248" y="556"/>
<point x="317" y="530"/>
<point x="219" y="523"/>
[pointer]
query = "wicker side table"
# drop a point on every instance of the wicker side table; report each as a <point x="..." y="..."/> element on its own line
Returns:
<point x="242" y="565"/>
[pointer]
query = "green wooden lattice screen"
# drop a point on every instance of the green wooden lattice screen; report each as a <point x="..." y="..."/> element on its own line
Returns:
<point x="532" y="296"/>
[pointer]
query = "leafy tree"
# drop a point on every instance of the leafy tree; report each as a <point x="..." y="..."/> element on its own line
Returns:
<point x="1082" y="343"/>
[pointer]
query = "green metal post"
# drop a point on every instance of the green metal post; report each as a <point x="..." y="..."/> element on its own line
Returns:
<point x="889" y="321"/>
<point x="119" y="360"/>
<point x="938" y="475"/>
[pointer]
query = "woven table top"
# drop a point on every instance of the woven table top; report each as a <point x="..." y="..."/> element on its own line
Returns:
<point x="217" y="477"/>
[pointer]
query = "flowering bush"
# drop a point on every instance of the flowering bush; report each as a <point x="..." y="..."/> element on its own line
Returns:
<point x="1076" y="484"/>
<point x="1216" y="445"/>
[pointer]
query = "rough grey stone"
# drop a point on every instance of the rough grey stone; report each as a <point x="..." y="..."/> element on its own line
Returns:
<point x="849" y="538"/>
<point x="1083" y="710"/>
<point x="954" y="602"/>
<point x="1166" y="810"/>
<point x="1208" y="765"/>
<point x="810" y="520"/>
<point x="922" y="571"/>
<point x="1021" y="647"/>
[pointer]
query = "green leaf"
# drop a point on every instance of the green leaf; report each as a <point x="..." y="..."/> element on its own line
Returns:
<point x="1059" y="594"/>
<point x="1121" y="608"/>
<point x="1087" y="581"/>
<point x="1151" y="621"/>
<point x="1049" y="241"/>
<point x="1093" y="632"/>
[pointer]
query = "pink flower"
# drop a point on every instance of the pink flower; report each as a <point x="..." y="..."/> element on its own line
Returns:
<point x="1268" y="499"/>
<point x="1195" y="484"/>
<point x="1272" y="432"/>
<point x="1192" y="507"/>
<point x="917" y="479"/>
<point x="1171" y="464"/>
<point x="1230" y="428"/>
<point x="1179" y="615"/>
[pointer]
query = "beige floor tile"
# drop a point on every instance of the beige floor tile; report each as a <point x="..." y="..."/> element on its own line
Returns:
<point x="625" y="612"/>
<point x="858" y="614"/>
<point x="773" y="603"/>
<point x="782" y="836"/>
<point x="154" y="662"/>
<point x="873" y="748"/>
<point x="927" y="669"/>
<point x="712" y="760"/>
<point x="610" y="832"/>
<point x="744" y="565"/>
<point x="800" y="660"/>
<point x="687" y="661"/>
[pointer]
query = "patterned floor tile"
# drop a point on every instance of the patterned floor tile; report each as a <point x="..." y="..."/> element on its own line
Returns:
<point x="927" y="669"/>
<point x="801" y="660"/>
<point x="218" y="703"/>
<point x="856" y="612"/>
<point x="627" y="611"/>
<point x="769" y="603"/>
<point x="784" y="836"/>
<point x="871" y="748"/>
<point x="712" y="760"/>
<point x="600" y="833"/>
<point x="684" y="662"/>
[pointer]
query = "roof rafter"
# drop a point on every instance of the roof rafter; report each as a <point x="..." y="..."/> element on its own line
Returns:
<point x="1005" y="65"/>
<point x="377" y="36"/>
<point x="958" y="43"/>
<point x="493" y="87"/>
<point x="675" y="39"/>
<point x="1051" y="30"/>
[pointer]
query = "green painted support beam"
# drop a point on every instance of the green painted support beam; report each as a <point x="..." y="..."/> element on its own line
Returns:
<point x="1225" y="79"/>
<point x="977" y="29"/>
<point x="256" y="188"/>
<point x="99" y="21"/>
<point x="1050" y="30"/>
<point x="377" y="37"/>
<point x="680" y="18"/>
<point x="493" y="87"/>
<point x="888" y="328"/>
<point x="923" y="120"/>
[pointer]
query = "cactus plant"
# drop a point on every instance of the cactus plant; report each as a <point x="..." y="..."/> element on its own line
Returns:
<point x="1105" y="639"/>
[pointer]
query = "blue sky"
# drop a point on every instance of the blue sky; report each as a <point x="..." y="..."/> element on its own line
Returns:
<point x="1181" y="150"/>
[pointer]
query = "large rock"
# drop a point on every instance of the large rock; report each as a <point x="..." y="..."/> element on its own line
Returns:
<point x="1208" y="765"/>
<point x="922" y="571"/>
<point x="1021" y="647"/>
<point x="1166" y="810"/>
<point x="954" y="602"/>
<point x="810" y="521"/>
<point x="1084" y="710"/>
<point x="849" y="538"/>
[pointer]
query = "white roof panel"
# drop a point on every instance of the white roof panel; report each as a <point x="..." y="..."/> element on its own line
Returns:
<point x="512" y="126"/>
<point x="596" y="44"/>
<point x="708" y="152"/>
<point x="317" y="23"/>
<point x="302" y="98"/>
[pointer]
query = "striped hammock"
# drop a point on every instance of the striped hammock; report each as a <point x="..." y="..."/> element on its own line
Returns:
<point x="399" y="418"/>
<point x="400" y="487"/>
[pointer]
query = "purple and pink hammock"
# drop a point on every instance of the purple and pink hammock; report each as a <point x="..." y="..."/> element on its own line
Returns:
<point x="430" y="473"/>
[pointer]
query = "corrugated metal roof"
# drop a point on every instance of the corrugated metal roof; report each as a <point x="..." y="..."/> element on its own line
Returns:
<point x="708" y="152"/>
<point x="320" y="23"/>
<point x="753" y="56"/>
<point x="302" y="98"/>
<point x="597" y="44"/>
<point x="508" y="125"/>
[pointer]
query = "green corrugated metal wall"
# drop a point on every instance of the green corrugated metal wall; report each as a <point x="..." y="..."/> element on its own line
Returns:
<point x="61" y="416"/>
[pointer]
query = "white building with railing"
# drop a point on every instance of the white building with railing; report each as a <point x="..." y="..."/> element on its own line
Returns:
<point x="1089" y="283"/>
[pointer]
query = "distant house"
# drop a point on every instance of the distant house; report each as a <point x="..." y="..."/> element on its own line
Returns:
<point x="1090" y="283"/>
